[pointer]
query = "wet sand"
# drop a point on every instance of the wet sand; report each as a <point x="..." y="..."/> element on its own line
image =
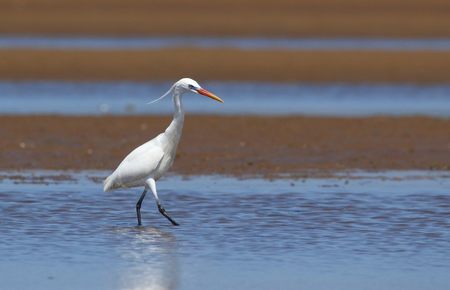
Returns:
<point x="250" y="18"/>
<point x="227" y="64"/>
<point x="304" y="18"/>
<point x="233" y="145"/>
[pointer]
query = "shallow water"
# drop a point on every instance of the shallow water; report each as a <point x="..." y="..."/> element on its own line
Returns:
<point x="240" y="98"/>
<point x="120" y="43"/>
<point x="388" y="230"/>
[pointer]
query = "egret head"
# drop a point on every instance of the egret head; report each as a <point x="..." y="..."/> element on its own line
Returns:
<point x="188" y="84"/>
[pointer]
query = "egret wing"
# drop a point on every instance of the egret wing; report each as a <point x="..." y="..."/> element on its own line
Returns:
<point x="139" y="165"/>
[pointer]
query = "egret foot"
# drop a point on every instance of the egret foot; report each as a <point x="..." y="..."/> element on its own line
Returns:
<point x="164" y="213"/>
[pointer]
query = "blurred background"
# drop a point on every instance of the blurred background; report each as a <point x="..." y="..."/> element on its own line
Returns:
<point x="335" y="132"/>
<point x="333" y="57"/>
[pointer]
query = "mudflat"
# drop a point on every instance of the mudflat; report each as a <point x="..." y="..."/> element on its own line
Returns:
<point x="230" y="145"/>
<point x="286" y="18"/>
<point x="227" y="64"/>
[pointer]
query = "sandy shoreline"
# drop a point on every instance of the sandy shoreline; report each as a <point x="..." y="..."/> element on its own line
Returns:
<point x="248" y="18"/>
<point x="233" y="145"/>
<point x="227" y="64"/>
<point x="286" y="18"/>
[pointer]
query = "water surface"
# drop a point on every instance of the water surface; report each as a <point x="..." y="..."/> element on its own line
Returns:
<point x="250" y="43"/>
<point x="88" y="98"/>
<point x="385" y="230"/>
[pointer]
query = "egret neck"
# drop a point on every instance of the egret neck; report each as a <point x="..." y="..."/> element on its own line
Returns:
<point x="176" y="126"/>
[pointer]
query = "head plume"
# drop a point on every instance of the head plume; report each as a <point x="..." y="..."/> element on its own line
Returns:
<point x="160" y="98"/>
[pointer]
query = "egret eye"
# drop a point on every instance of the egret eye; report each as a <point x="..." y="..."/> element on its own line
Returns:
<point x="191" y="87"/>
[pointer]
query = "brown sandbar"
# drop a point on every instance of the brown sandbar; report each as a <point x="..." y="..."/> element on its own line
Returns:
<point x="230" y="145"/>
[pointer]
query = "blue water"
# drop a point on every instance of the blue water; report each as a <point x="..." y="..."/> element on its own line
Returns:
<point x="120" y="43"/>
<point x="357" y="230"/>
<point x="93" y="98"/>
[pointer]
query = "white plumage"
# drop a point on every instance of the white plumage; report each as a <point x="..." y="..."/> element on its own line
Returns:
<point x="148" y="162"/>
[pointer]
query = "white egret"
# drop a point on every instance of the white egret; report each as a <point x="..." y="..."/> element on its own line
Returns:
<point x="148" y="162"/>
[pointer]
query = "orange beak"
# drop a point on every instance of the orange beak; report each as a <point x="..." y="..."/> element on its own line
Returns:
<point x="209" y="95"/>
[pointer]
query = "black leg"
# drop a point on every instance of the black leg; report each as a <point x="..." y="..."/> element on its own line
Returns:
<point x="138" y="207"/>
<point x="164" y="213"/>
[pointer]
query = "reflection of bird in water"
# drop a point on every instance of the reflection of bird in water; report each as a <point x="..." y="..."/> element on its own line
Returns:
<point x="147" y="163"/>
<point x="150" y="257"/>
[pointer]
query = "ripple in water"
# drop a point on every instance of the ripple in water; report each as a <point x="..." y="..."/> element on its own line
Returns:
<point x="256" y="233"/>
